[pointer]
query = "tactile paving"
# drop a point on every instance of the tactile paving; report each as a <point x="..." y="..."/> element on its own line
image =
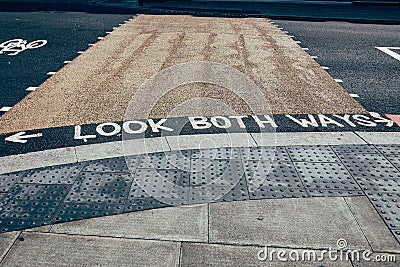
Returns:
<point x="7" y="181"/>
<point x="334" y="193"/>
<point x="264" y="153"/>
<point x="107" y="165"/>
<point x="396" y="234"/>
<point x="65" y="174"/>
<point x="216" y="153"/>
<point x="279" y="174"/>
<point x="379" y="185"/>
<point x="278" y="192"/>
<point x="395" y="160"/>
<point x="165" y="161"/>
<point x="312" y="154"/>
<point x="126" y="184"/>
<point x="388" y="206"/>
<point x="369" y="166"/>
<point x="100" y="187"/>
<point x="70" y="211"/>
<point x="389" y="149"/>
<point x="158" y="186"/>
<point x="325" y="176"/>
<point x="30" y="205"/>
<point x="354" y="149"/>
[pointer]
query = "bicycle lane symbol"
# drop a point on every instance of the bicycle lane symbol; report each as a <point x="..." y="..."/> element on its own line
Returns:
<point x="15" y="46"/>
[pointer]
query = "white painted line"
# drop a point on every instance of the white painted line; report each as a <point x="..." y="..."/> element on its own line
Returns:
<point x="31" y="89"/>
<point x="285" y="32"/>
<point x="338" y="80"/>
<point x="305" y="49"/>
<point x="280" y="28"/>
<point x="354" y="95"/>
<point x="67" y="61"/>
<point x="325" y="68"/>
<point x="81" y="52"/>
<point x="388" y="50"/>
<point x="100" y="38"/>
<point x="314" y="57"/>
<point x="51" y="73"/>
<point x="272" y="22"/>
<point x="5" y="109"/>
<point x="108" y="32"/>
<point x="91" y="44"/>
<point x="291" y="36"/>
<point x="120" y="24"/>
<point x="114" y="28"/>
<point x="298" y="42"/>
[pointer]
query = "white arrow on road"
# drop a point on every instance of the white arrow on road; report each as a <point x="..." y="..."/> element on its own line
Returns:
<point x="20" y="137"/>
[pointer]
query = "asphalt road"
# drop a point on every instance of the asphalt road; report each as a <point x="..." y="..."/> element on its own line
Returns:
<point x="348" y="49"/>
<point x="66" y="33"/>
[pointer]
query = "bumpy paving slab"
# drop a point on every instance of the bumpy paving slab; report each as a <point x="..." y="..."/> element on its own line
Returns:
<point x="98" y="85"/>
<point x="173" y="178"/>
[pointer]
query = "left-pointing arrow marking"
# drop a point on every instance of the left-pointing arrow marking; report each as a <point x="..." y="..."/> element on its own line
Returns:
<point x="21" y="138"/>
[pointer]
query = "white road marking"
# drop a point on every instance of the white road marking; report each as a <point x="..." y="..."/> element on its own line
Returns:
<point x="388" y="50"/>
<point x="305" y="49"/>
<point x="5" y="109"/>
<point x="108" y="32"/>
<point x="67" y="61"/>
<point x="285" y="32"/>
<point x="21" y="138"/>
<point x="314" y="57"/>
<point x="325" y="68"/>
<point x="100" y="38"/>
<point x="291" y="36"/>
<point x="51" y="73"/>
<point x="114" y="28"/>
<point x="31" y="88"/>
<point x="81" y="52"/>
<point x="280" y="28"/>
<point x="91" y="44"/>
<point x="298" y="42"/>
<point x="354" y="95"/>
<point x="338" y="80"/>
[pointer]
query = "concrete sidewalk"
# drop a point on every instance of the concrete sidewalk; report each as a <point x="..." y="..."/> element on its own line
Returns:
<point x="196" y="200"/>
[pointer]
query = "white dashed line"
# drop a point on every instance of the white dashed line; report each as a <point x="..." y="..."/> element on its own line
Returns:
<point x="325" y="68"/>
<point x="314" y="57"/>
<point x="338" y="80"/>
<point x="285" y="32"/>
<point x="81" y="52"/>
<point x="100" y="38"/>
<point x="298" y="42"/>
<point x="354" y="95"/>
<point x="67" y="61"/>
<point x="305" y="49"/>
<point x="31" y="89"/>
<point x="280" y="28"/>
<point x="51" y="73"/>
<point x="91" y="44"/>
<point x="291" y="36"/>
<point x="5" y="109"/>
<point x="108" y="32"/>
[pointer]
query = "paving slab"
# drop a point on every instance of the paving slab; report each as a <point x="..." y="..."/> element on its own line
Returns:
<point x="377" y="233"/>
<point x="204" y="141"/>
<point x="307" y="138"/>
<point x="67" y="250"/>
<point x="224" y="255"/>
<point x="99" y="85"/>
<point x="188" y="223"/>
<point x="37" y="159"/>
<point x="306" y="222"/>
<point x="380" y="138"/>
<point x="6" y="241"/>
